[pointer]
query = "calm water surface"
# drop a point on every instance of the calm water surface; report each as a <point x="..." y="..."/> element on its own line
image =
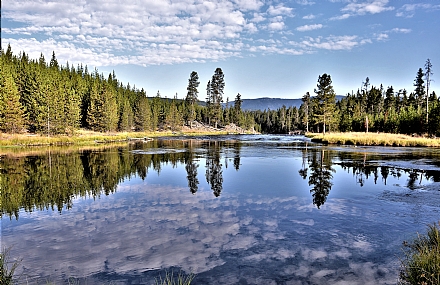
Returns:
<point x="231" y="209"/>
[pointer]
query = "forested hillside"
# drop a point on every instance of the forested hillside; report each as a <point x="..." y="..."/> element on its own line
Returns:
<point x="40" y="96"/>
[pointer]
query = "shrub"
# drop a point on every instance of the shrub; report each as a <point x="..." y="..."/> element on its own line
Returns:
<point x="421" y="263"/>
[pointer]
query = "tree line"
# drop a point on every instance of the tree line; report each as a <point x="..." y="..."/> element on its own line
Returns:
<point x="48" y="98"/>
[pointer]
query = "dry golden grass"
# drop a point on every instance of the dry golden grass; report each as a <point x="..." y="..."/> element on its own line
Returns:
<point x="374" y="139"/>
<point x="87" y="138"/>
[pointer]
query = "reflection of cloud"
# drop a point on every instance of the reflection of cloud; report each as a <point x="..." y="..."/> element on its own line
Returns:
<point x="146" y="227"/>
<point x="307" y="222"/>
<point x="313" y="254"/>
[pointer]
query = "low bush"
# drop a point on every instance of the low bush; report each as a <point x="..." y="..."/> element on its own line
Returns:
<point x="421" y="262"/>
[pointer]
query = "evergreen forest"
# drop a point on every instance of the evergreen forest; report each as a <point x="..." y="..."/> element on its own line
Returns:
<point x="45" y="97"/>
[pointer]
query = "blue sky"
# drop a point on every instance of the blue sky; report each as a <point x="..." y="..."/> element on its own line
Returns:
<point x="266" y="48"/>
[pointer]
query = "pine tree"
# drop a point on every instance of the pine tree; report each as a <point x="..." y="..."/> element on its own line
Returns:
<point x="419" y="92"/>
<point x="11" y="112"/>
<point x="173" y="117"/>
<point x="306" y="103"/>
<point x="191" y="96"/>
<point x="72" y="107"/>
<point x="325" y="101"/>
<point x="428" y="74"/>
<point x="217" y="89"/>
<point x="209" y="104"/>
<point x="238" y="118"/>
<point x="142" y="116"/>
<point x="156" y="110"/>
<point x="125" y="117"/>
<point x="102" y="114"/>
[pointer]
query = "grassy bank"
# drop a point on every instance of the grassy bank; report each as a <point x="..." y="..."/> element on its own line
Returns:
<point x="374" y="139"/>
<point x="83" y="138"/>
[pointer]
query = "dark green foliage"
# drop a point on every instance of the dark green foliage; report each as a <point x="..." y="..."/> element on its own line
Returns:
<point x="216" y="87"/>
<point x="142" y="117"/>
<point x="434" y="121"/>
<point x="174" y="117"/>
<point x="419" y="84"/>
<point x="325" y="102"/>
<point x="191" y="96"/>
<point x="102" y="113"/>
<point x="421" y="262"/>
<point x="53" y="99"/>
<point x="11" y="112"/>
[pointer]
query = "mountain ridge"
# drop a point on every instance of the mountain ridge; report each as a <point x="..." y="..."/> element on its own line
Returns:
<point x="266" y="103"/>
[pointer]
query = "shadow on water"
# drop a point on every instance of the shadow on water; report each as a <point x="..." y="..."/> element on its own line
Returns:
<point x="52" y="180"/>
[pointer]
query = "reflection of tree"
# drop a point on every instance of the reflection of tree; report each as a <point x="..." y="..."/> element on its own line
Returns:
<point x="237" y="147"/>
<point x="214" y="173"/>
<point x="320" y="177"/>
<point x="303" y="171"/>
<point x="191" y="170"/>
<point x="362" y="170"/>
<point x="384" y="171"/>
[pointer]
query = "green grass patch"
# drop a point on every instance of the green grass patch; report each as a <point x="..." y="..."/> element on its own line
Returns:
<point x="421" y="262"/>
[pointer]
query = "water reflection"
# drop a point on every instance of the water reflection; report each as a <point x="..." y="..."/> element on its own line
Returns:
<point x="191" y="170"/>
<point x="320" y="176"/>
<point x="176" y="204"/>
<point x="214" y="172"/>
<point x="53" y="179"/>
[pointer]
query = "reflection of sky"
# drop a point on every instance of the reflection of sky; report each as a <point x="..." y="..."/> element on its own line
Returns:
<point x="262" y="229"/>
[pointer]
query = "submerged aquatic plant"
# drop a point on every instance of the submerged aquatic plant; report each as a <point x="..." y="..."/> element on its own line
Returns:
<point x="7" y="267"/>
<point x="180" y="279"/>
<point x="421" y="264"/>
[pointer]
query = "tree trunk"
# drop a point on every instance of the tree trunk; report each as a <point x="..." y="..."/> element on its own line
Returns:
<point x="366" y="123"/>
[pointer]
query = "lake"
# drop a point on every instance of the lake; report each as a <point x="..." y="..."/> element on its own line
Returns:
<point x="250" y="209"/>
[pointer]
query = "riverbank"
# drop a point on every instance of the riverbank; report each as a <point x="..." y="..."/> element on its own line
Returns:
<point x="85" y="137"/>
<point x="374" y="139"/>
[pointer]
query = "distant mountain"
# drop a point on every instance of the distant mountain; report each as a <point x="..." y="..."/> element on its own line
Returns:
<point x="271" y="103"/>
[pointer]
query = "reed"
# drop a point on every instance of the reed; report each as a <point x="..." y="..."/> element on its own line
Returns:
<point x="7" y="268"/>
<point x="421" y="263"/>
<point x="374" y="139"/>
<point x="171" y="279"/>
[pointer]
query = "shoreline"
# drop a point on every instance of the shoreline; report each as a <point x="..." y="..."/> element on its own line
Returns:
<point x="373" y="139"/>
<point x="89" y="138"/>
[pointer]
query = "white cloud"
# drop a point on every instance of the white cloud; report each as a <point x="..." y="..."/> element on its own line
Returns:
<point x="165" y="32"/>
<point x="368" y="7"/>
<point x="305" y="2"/>
<point x="249" y="4"/>
<point x="280" y="9"/>
<point x="341" y="17"/>
<point x="258" y="18"/>
<point x="400" y="30"/>
<point x="309" y="17"/>
<point x="382" y="37"/>
<point x="409" y="10"/>
<point x="276" y="26"/>
<point x="332" y="42"/>
<point x="309" y="27"/>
